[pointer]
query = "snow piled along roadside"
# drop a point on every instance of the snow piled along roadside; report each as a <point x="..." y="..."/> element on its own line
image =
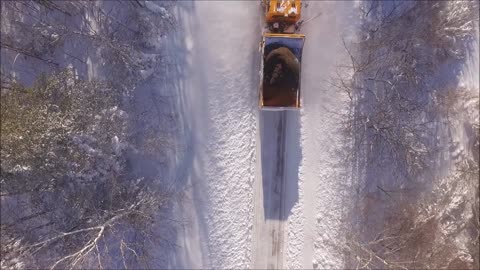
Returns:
<point x="218" y="114"/>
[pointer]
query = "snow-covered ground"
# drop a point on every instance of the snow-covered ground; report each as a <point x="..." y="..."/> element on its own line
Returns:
<point x="315" y="228"/>
<point x="218" y="113"/>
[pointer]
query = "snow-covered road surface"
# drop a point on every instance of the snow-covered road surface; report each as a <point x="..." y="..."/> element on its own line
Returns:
<point x="253" y="177"/>
<point x="275" y="185"/>
<point x="269" y="192"/>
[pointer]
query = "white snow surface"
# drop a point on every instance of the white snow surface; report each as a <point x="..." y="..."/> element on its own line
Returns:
<point x="219" y="114"/>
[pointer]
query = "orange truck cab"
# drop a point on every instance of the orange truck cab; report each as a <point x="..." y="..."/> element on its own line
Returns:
<point x="286" y="11"/>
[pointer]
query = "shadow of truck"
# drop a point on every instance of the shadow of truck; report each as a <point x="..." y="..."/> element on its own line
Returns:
<point x="280" y="161"/>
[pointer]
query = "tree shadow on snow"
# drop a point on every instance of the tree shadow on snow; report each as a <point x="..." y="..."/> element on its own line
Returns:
<point x="163" y="103"/>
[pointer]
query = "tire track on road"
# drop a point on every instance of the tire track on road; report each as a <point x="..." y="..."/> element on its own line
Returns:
<point x="270" y="192"/>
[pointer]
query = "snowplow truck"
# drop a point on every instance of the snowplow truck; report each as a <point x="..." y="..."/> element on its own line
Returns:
<point x="281" y="50"/>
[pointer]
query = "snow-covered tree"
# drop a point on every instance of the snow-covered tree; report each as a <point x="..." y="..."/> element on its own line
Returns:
<point x="66" y="192"/>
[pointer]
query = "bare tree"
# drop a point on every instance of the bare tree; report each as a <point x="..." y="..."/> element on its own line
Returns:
<point x="41" y="29"/>
<point x="394" y="124"/>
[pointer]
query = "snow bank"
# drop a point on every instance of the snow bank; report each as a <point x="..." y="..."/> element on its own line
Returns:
<point x="217" y="108"/>
<point x="316" y="226"/>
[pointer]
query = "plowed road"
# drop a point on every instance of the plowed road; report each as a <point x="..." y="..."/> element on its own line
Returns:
<point x="270" y="189"/>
